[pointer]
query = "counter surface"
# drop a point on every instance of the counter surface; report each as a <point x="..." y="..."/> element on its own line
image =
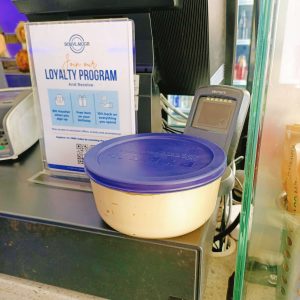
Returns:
<point x="24" y="199"/>
<point x="92" y="243"/>
<point x="19" y="197"/>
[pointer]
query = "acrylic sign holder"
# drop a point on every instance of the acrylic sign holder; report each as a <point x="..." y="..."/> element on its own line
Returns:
<point x="84" y="92"/>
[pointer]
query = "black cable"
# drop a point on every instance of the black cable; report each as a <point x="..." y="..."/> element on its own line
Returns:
<point x="178" y="131"/>
<point x="169" y="131"/>
<point x="228" y="230"/>
<point x="172" y="130"/>
<point x="229" y="295"/>
<point x="175" y="130"/>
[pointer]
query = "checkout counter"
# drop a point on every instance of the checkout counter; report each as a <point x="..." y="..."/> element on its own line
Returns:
<point x="55" y="236"/>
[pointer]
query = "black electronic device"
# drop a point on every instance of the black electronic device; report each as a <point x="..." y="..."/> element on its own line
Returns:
<point x="93" y="6"/>
<point x="171" y="57"/>
<point x="148" y="113"/>
<point x="218" y="114"/>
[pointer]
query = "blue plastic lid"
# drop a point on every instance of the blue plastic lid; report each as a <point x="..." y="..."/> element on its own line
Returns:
<point x="155" y="163"/>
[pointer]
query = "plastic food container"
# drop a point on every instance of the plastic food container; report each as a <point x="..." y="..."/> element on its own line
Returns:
<point x="155" y="185"/>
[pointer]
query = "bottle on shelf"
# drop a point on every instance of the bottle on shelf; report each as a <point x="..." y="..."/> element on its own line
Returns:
<point x="243" y="26"/>
<point x="241" y="68"/>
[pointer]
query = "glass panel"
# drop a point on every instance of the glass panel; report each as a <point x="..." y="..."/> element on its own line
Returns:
<point x="272" y="170"/>
<point x="259" y="86"/>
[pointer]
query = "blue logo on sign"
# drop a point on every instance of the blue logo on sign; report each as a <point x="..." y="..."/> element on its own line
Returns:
<point x="76" y="43"/>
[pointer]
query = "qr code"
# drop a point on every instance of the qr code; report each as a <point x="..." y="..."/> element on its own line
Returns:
<point x="81" y="149"/>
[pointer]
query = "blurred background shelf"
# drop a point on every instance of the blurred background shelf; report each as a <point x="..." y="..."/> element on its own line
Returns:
<point x="10" y="74"/>
<point x="243" y="42"/>
<point x="240" y="82"/>
<point x="246" y="2"/>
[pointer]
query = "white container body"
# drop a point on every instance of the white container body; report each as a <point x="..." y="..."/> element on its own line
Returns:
<point x="156" y="215"/>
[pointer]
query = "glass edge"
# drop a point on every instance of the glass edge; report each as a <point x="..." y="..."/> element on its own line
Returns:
<point x="259" y="85"/>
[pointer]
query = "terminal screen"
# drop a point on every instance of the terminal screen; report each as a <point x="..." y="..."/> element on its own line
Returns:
<point x="214" y="114"/>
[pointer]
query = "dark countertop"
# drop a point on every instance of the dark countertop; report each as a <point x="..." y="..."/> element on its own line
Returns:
<point x="22" y="198"/>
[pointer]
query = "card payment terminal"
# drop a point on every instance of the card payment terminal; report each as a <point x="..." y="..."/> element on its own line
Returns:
<point x="218" y="114"/>
<point x="18" y="124"/>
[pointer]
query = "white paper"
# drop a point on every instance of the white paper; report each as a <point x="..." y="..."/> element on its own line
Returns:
<point x="85" y="83"/>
